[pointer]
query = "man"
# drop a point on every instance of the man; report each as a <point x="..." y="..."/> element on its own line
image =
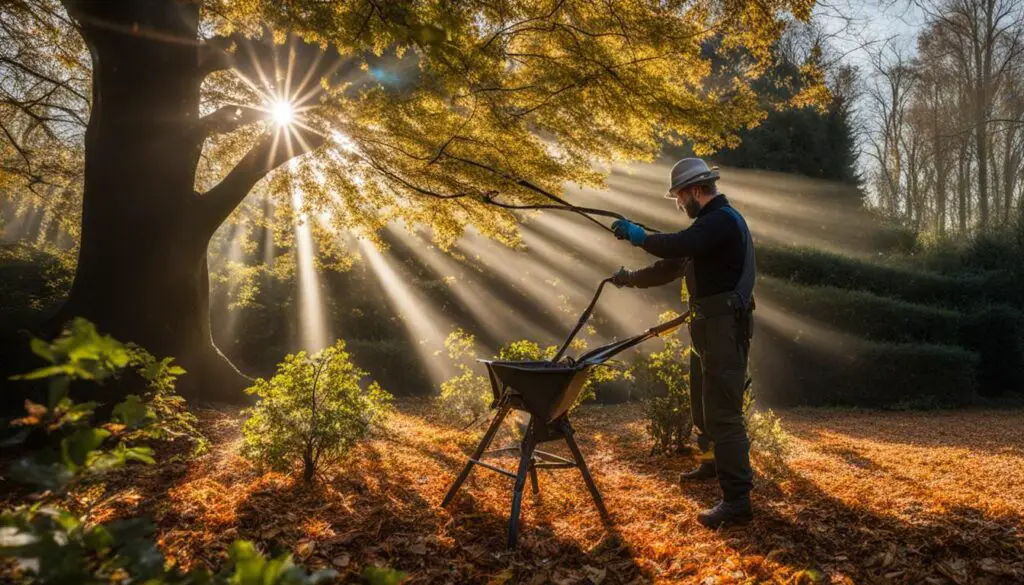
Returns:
<point x="715" y="256"/>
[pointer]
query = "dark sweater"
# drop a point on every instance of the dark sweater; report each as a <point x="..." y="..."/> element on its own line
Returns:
<point x="715" y="243"/>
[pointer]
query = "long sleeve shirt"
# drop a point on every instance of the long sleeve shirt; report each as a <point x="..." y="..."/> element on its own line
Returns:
<point x="715" y="244"/>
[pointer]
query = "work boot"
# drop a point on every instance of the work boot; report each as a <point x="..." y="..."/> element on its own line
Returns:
<point x="727" y="513"/>
<point x="704" y="471"/>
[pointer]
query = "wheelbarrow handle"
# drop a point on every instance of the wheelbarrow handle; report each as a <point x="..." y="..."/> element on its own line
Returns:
<point x="669" y="326"/>
<point x="583" y="319"/>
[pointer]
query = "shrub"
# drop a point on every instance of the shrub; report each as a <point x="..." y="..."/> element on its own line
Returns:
<point x="661" y="380"/>
<point x="767" y="438"/>
<point x="466" y="398"/>
<point x="52" y="545"/>
<point x="864" y="314"/>
<point x="817" y="268"/>
<point x="313" y="410"/>
<point x="855" y="372"/>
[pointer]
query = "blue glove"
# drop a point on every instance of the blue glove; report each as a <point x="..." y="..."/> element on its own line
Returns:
<point x="626" y="230"/>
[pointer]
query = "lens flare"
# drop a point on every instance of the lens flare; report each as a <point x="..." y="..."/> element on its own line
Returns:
<point x="283" y="112"/>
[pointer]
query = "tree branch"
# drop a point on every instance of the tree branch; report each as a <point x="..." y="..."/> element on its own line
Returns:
<point x="275" y="148"/>
<point x="214" y="55"/>
<point x="228" y="119"/>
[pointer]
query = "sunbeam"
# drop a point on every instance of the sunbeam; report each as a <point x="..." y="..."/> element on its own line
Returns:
<point x="426" y="327"/>
<point x="313" y="334"/>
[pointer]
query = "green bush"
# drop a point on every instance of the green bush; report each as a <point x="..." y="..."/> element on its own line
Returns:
<point x="312" y="411"/>
<point x="817" y="268"/>
<point x="467" y="397"/>
<point x="863" y="314"/>
<point x="662" y="382"/>
<point x="768" y="440"/>
<point x="855" y="372"/>
<point x="997" y="334"/>
<point x="51" y="545"/>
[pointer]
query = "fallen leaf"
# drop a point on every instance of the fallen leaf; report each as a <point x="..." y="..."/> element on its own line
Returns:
<point x="501" y="578"/>
<point x="595" y="575"/>
<point x="418" y="549"/>
<point x="341" y="560"/>
<point x="304" y="549"/>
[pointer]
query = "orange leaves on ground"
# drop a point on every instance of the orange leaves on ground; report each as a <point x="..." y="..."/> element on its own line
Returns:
<point x="869" y="497"/>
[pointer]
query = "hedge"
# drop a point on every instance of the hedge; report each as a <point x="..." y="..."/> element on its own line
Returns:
<point x="817" y="268"/>
<point x="863" y="314"/>
<point x="792" y="372"/>
<point x="997" y="334"/>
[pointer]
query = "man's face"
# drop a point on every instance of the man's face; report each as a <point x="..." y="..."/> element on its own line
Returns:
<point x="686" y="201"/>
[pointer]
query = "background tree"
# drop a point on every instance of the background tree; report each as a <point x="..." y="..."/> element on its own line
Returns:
<point x="815" y="140"/>
<point x="413" y="110"/>
<point x="945" y="134"/>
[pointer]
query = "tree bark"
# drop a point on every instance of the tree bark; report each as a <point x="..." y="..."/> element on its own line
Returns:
<point x="142" y="274"/>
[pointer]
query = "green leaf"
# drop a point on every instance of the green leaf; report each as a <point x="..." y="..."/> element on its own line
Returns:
<point x="140" y="454"/>
<point x="43" y="350"/>
<point x="52" y="476"/>
<point x="77" y="447"/>
<point x="46" y="372"/>
<point x="132" y="412"/>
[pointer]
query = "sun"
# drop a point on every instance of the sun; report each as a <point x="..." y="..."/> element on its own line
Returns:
<point x="282" y="112"/>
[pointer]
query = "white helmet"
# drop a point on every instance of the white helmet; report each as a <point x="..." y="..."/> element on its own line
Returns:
<point x="690" y="171"/>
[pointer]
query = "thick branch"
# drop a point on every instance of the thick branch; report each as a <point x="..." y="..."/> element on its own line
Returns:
<point x="214" y="55"/>
<point x="273" y="150"/>
<point x="228" y="119"/>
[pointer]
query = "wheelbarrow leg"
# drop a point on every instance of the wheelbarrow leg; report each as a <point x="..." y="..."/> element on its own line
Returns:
<point x="586" y="475"/>
<point x="533" y="478"/>
<point x="488" y="437"/>
<point x="517" y="496"/>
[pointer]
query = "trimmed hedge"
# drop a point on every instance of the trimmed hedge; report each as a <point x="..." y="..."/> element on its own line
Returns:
<point x="997" y="334"/>
<point x="864" y="314"/>
<point x="817" y="268"/>
<point x="792" y="372"/>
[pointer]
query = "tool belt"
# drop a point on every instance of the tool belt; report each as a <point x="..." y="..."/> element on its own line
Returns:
<point x="727" y="303"/>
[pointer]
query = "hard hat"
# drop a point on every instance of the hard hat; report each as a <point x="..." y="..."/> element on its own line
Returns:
<point x="690" y="171"/>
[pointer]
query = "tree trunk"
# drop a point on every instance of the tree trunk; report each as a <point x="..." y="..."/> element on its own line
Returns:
<point x="962" y="182"/>
<point x="142" y="273"/>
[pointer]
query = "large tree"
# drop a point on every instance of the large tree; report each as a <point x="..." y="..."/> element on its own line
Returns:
<point x="151" y="116"/>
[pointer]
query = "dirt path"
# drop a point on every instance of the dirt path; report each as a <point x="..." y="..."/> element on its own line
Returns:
<point x="870" y="498"/>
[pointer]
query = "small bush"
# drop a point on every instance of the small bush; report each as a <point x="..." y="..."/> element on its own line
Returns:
<point x="313" y="410"/>
<point x="768" y="440"/>
<point x="467" y="397"/>
<point x="662" y="382"/>
<point x="863" y="314"/>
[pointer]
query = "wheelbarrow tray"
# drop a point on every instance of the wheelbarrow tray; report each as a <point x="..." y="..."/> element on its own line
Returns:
<point x="541" y="388"/>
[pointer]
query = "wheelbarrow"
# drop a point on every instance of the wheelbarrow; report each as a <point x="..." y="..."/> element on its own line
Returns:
<point x="546" y="390"/>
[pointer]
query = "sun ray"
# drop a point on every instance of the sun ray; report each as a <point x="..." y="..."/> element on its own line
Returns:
<point x="422" y="322"/>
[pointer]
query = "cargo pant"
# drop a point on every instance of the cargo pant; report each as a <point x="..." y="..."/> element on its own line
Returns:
<point x="718" y="371"/>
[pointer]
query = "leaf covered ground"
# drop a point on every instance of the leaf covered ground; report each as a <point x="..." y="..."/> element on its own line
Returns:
<point x="868" y="497"/>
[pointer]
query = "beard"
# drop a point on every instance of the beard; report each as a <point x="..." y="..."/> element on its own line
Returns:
<point x="690" y="207"/>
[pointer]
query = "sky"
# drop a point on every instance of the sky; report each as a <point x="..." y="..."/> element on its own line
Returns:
<point x="860" y="26"/>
